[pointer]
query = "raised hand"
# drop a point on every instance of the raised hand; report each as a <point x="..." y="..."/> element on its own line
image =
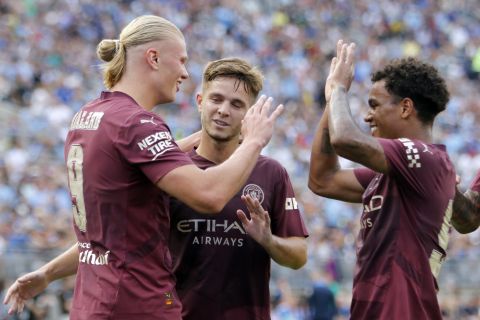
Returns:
<point x="24" y="288"/>
<point x="258" y="226"/>
<point x="257" y="125"/>
<point x="341" y="68"/>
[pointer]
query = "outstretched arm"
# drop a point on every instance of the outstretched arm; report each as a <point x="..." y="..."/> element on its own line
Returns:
<point x="346" y="137"/>
<point x="466" y="211"/>
<point x="289" y="252"/>
<point x="208" y="191"/>
<point x="33" y="283"/>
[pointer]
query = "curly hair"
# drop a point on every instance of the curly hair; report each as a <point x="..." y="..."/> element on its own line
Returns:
<point x="419" y="81"/>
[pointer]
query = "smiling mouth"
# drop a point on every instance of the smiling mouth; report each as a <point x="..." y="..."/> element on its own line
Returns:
<point x="220" y="123"/>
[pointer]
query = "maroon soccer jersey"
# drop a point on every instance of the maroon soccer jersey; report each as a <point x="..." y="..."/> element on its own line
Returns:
<point x="115" y="152"/>
<point x="405" y="227"/>
<point x="221" y="272"/>
<point x="475" y="186"/>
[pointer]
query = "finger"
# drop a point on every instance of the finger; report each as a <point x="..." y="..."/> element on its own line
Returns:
<point x="339" y="48"/>
<point x="249" y="203"/>
<point x="14" y="307"/>
<point x="265" y="109"/>
<point x="10" y="291"/>
<point x="350" y="52"/>
<point x="242" y="217"/>
<point x="343" y="53"/>
<point x="267" y="217"/>
<point x="332" y="65"/>
<point x="255" y="108"/>
<point x="20" y="306"/>
<point x="277" y="112"/>
<point x="256" y="207"/>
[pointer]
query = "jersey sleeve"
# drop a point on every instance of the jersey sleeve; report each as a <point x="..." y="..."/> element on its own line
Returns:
<point x="286" y="218"/>
<point x="475" y="186"/>
<point x="146" y="141"/>
<point x="410" y="162"/>
<point x="364" y="176"/>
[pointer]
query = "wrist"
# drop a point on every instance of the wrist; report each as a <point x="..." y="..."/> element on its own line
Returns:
<point x="268" y="242"/>
<point x="47" y="273"/>
<point x="252" y="143"/>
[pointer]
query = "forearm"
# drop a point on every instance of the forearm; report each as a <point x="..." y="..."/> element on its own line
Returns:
<point x="323" y="159"/>
<point x="188" y="143"/>
<point x="466" y="211"/>
<point x="341" y="123"/>
<point x="348" y="140"/>
<point x="288" y="252"/>
<point x="62" y="266"/>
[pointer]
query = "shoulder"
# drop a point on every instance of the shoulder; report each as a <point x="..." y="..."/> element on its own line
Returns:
<point x="268" y="164"/>
<point x="412" y="152"/>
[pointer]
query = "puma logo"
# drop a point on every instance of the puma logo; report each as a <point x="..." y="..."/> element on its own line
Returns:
<point x="142" y="121"/>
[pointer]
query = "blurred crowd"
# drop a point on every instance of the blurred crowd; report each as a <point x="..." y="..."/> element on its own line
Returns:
<point x="49" y="69"/>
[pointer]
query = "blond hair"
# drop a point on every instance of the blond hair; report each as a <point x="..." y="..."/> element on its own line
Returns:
<point x="141" y="30"/>
<point x="246" y="74"/>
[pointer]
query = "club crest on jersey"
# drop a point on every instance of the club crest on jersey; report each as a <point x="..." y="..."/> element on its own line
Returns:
<point x="254" y="191"/>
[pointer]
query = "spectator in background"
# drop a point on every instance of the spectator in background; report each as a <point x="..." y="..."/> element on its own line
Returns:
<point x="321" y="302"/>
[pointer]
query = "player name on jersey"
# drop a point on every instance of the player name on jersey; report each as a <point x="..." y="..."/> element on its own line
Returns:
<point x="84" y="120"/>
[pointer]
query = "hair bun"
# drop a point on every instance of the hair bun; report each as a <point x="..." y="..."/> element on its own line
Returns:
<point x="106" y="49"/>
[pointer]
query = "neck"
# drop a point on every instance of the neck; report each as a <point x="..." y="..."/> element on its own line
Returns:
<point x="216" y="151"/>
<point x="423" y="132"/>
<point x="138" y="91"/>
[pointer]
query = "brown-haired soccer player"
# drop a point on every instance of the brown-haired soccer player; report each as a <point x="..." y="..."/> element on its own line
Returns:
<point x="123" y="163"/>
<point x="222" y="262"/>
<point x="406" y="189"/>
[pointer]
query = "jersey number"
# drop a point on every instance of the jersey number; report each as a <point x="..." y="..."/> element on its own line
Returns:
<point x="75" y="181"/>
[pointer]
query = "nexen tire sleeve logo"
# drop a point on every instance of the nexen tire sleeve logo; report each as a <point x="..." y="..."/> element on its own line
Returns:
<point x="157" y="143"/>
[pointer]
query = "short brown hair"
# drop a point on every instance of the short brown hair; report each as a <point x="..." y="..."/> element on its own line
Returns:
<point x="236" y="68"/>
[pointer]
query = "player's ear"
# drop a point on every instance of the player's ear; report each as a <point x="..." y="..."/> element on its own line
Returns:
<point x="152" y="56"/>
<point x="199" y="99"/>
<point x="408" y="109"/>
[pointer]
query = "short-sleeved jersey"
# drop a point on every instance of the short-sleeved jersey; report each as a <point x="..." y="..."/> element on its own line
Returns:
<point x="115" y="152"/>
<point x="221" y="272"/>
<point x="404" y="233"/>
<point x="475" y="186"/>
